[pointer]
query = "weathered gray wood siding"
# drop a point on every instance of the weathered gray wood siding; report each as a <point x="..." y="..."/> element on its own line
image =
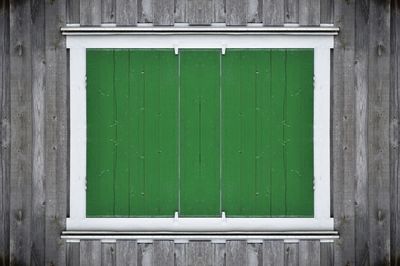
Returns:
<point x="34" y="131"/>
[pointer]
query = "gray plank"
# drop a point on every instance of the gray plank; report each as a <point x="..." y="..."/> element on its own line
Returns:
<point x="378" y="133"/>
<point x="309" y="12"/>
<point x="219" y="254"/>
<point x="326" y="11"/>
<point x="163" y="253"/>
<point x="236" y="252"/>
<point x="327" y="254"/>
<point x="394" y="134"/>
<point x="180" y="254"/>
<point x="291" y="254"/>
<point x="4" y="133"/>
<point x="73" y="254"/>
<point x="90" y="252"/>
<point x="126" y="12"/>
<point x="145" y="11"/>
<point x="199" y="12"/>
<point x="219" y="11"/>
<point x="56" y="132"/>
<point x="180" y="11"/>
<point x="21" y="138"/>
<point x="199" y="253"/>
<point x="236" y="12"/>
<point x="163" y="12"/>
<point x="108" y="11"/>
<point x="254" y="11"/>
<point x="126" y="253"/>
<point x="38" y="206"/>
<point x="145" y="254"/>
<point x="309" y="253"/>
<point x="273" y="12"/>
<point x="108" y="254"/>
<point x="291" y="11"/>
<point x="343" y="133"/>
<point x="273" y="253"/>
<point x="73" y="11"/>
<point x="255" y="254"/>
<point x="361" y="131"/>
<point x="90" y="12"/>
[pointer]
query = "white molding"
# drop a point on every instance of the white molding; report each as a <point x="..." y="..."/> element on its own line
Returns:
<point x="321" y="45"/>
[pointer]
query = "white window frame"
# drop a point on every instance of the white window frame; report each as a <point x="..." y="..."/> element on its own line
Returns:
<point x="78" y="39"/>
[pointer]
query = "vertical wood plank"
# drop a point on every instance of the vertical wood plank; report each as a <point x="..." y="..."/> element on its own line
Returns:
<point x="327" y="254"/>
<point x="108" y="254"/>
<point x="378" y="133"/>
<point x="255" y="254"/>
<point x="219" y="254"/>
<point x="145" y="254"/>
<point x="273" y="253"/>
<point x="126" y="253"/>
<point x="180" y="254"/>
<point x="309" y="12"/>
<point x="236" y="253"/>
<point x="394" y="134"/>
<point x="90" y="252"/>
<point x="343" y="132"/>
<point x="145" y="11"/>
<point x="163" y="12"/>
<point x="326" y="13"/>
<point x="273" y="13"/>
<point x="309" y="253"/>
<point x="126" y="12"/>
<point x="254" y="11"/>
<point x="56" y="132"/>
<point x="219" y="11"/>
<point x="292" y="11"/>
<point x="199" y="253"/>
<point x="73" y="11"/>
<point x="21" y="139"/>
<point x="108" y="11"/>
<point x="163" y="253"/>
<point x="4" y="133"/>
<point x="73" y="254"/>
<point x="236" y="12"/>
<point x="291" y="254"/>
<point x="200" y="12"/>
<point x="361" y="131"/>
<point x="38" y="206"/>
<point x="90" y="12"/>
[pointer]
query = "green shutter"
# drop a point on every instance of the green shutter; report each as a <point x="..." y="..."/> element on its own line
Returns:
<point x="199" y="132"/>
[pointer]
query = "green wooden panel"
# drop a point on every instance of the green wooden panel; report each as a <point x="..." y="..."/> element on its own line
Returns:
<point x="245" y="133"/>
<point x="199" y="132"/>
<point x="101" y="133"/>
<point x="299" y="133"/>
<point x="154" y="180"/>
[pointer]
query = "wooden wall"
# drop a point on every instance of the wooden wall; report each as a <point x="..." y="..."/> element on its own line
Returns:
<point x="365" y="133"/>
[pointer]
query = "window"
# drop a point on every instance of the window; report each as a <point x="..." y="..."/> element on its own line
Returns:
<point x="200" y="132"/>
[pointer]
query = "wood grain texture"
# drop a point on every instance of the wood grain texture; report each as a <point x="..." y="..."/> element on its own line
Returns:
<point x="236" y="12"/>
<point x="378" y="133"/>
<point x="73" y="9"/>
<point x="309" y="12"/>
<point x="21" y="142"/>
<point x="163" y="12"/>
<point x="73" y="254"/>
<point x="126" y="253"/>
<point x="200" y="12"/>
<point x="326" y="13"/>
<point x="273" y="13"/>
<point x="361" y="131"/>
<point x="90" y="12"/>
<point x="163" y="253"/>
<point x="327" y="254"/>
<point x="108" y="11"/>
<point x="254" y="254"/>
<point x="309" y="253"/>
<point x="38" y="206"/>
<point x="219" y="11"/>
<point x="126" y="12"/>
<point x="236" y="253"/>
<point x="219" y="254"/>
<point x="145" y="11"/>
<point x="180" y="254"/>
<point x="254" y="11"/>
<point x="145" y="254"/>
<point x="291" y="254"/>
<point x="199" y="253"/>
<point x="108" y="254"/>
<point x="291" y="11"/>
<point x="4" y="133"/>
<point x="273" y="253"/>
<point x="90" y="253"/>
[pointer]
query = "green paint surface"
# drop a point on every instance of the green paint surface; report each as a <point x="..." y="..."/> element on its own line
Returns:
<point x="199" y="133"/>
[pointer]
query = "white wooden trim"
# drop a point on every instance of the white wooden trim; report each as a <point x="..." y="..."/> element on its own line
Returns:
<point x="321" y="45"/>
